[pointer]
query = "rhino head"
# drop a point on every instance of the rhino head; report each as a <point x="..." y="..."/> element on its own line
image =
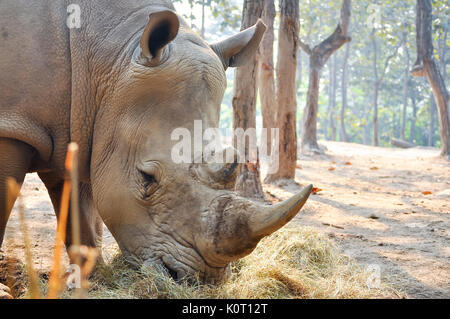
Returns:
<point x="184" y="217"/>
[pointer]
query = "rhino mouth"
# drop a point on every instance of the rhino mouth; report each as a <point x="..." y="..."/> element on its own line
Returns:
<point x="164" y="266"/>
<point x="193" y="272"/>
<point x="181" y="261"/>
<point x="183" y="264"/>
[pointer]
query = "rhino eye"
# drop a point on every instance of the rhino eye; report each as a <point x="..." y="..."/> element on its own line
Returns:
<point x="148" y="179"/>
<point x="149" y="183"/>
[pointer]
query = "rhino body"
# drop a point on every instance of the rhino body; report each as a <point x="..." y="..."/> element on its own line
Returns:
<point x="118" y="86"/>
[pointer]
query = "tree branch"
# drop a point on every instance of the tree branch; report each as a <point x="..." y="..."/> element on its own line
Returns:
<point x="338" y="38"/>
<point x="305" y="47"/>
<point x="389" y="58"/>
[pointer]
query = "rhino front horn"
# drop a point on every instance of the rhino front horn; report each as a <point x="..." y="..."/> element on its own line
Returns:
<point x="238" y="224"/>
<point x="271" y="218"/>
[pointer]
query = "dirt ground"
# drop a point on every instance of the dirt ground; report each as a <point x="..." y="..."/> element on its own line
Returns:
<point x="372" y="203"/>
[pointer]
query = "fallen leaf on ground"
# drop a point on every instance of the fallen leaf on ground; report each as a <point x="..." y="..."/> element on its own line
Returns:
<point x="427" y="193"/>
<point x="331" y="168"/>
<point x="348" y="163"/>
<point x="374" y="168"/>
<point x="252" y="167"/>
<point x="315" y="190"/>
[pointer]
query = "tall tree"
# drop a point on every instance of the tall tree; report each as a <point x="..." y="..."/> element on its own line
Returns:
<point x="412" y="129"/>
<point x="378" y="81"/>
<point x="318" y="56"/>
<point x="426" y="66"/>
<point x="431" y="122"/>
<point x="244" y="108"/>
<point x="405" y="85"/>
<point x="266" y="78"/>
<point x="286" y="90"/>
<point x="329" y="125"/>
<point x="443" y="54"/>
<point x="344" y="82"/>
<point x="203" y="3"/>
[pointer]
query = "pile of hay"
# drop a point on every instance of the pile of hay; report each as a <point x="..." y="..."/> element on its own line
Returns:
<point x="292" y="263"/>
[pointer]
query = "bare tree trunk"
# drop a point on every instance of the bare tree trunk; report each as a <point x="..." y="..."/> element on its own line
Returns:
<point x="431" y="124"/>
<point x="331" y="100"/>
<point x="412" y="130"/>
<point x="344" y="82"/>
<point x="203" y="19"/>
<point x="266" y="77"/>
<point x="326" y="118"/>
<point x="426" y="66"/>
<point x="375" y="116"/>
<point x="299" y="75"/>
<point x="378" y="80"/>
<point x="244" y="108"/>
<point x="395" y="127"/>
<point x="376" y="88"/>
<point x="317" y="59"/>
<point x="405" y="88"/>
<point x="401" y="143"/>
<point x="443" y="55"/>
<point x="308" y="39"/>
<point x="333" y="97"/>
<point x="366" y="120"/>
<point x="309" y="123"/>
<point x="286" y="90"/>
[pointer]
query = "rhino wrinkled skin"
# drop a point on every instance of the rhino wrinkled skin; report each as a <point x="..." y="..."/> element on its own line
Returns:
<point x="118" y="86"/>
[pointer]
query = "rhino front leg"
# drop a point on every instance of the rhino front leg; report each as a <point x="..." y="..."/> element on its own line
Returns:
<point x="15" y="161"/>
<point x="91" y="225"/>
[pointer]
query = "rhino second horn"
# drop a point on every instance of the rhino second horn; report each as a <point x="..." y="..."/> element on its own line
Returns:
<point x="271" y="218"/>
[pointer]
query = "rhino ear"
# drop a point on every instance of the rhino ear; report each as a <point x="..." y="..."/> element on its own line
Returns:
<point x="161" y="29"/>
<point x="237" y="50"/>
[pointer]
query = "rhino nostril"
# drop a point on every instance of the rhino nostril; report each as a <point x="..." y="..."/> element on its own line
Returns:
<point x="172" y="273"/>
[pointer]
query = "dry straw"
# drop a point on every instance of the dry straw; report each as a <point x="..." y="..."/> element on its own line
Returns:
<point x="56" y="282"/>
<point x="295" y="262"/>
<point x="14" y="193"/>
<point x="77" y="252"/>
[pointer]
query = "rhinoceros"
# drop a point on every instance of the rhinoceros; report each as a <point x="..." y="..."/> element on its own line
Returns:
<point x="118" y="85"/>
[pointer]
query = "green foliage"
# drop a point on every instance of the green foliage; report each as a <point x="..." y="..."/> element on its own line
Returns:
<point x="318" y="19"/>
<point x="396" y="22"/>
<point x="226" y="14"/>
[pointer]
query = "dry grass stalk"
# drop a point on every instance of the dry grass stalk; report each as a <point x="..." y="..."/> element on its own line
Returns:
<point x="56" y="282"/>
<point x="13" y="193"/>
<point x="76" y="251"/>
<point x="89" y="256"/>
<point x="75" y="211"/>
